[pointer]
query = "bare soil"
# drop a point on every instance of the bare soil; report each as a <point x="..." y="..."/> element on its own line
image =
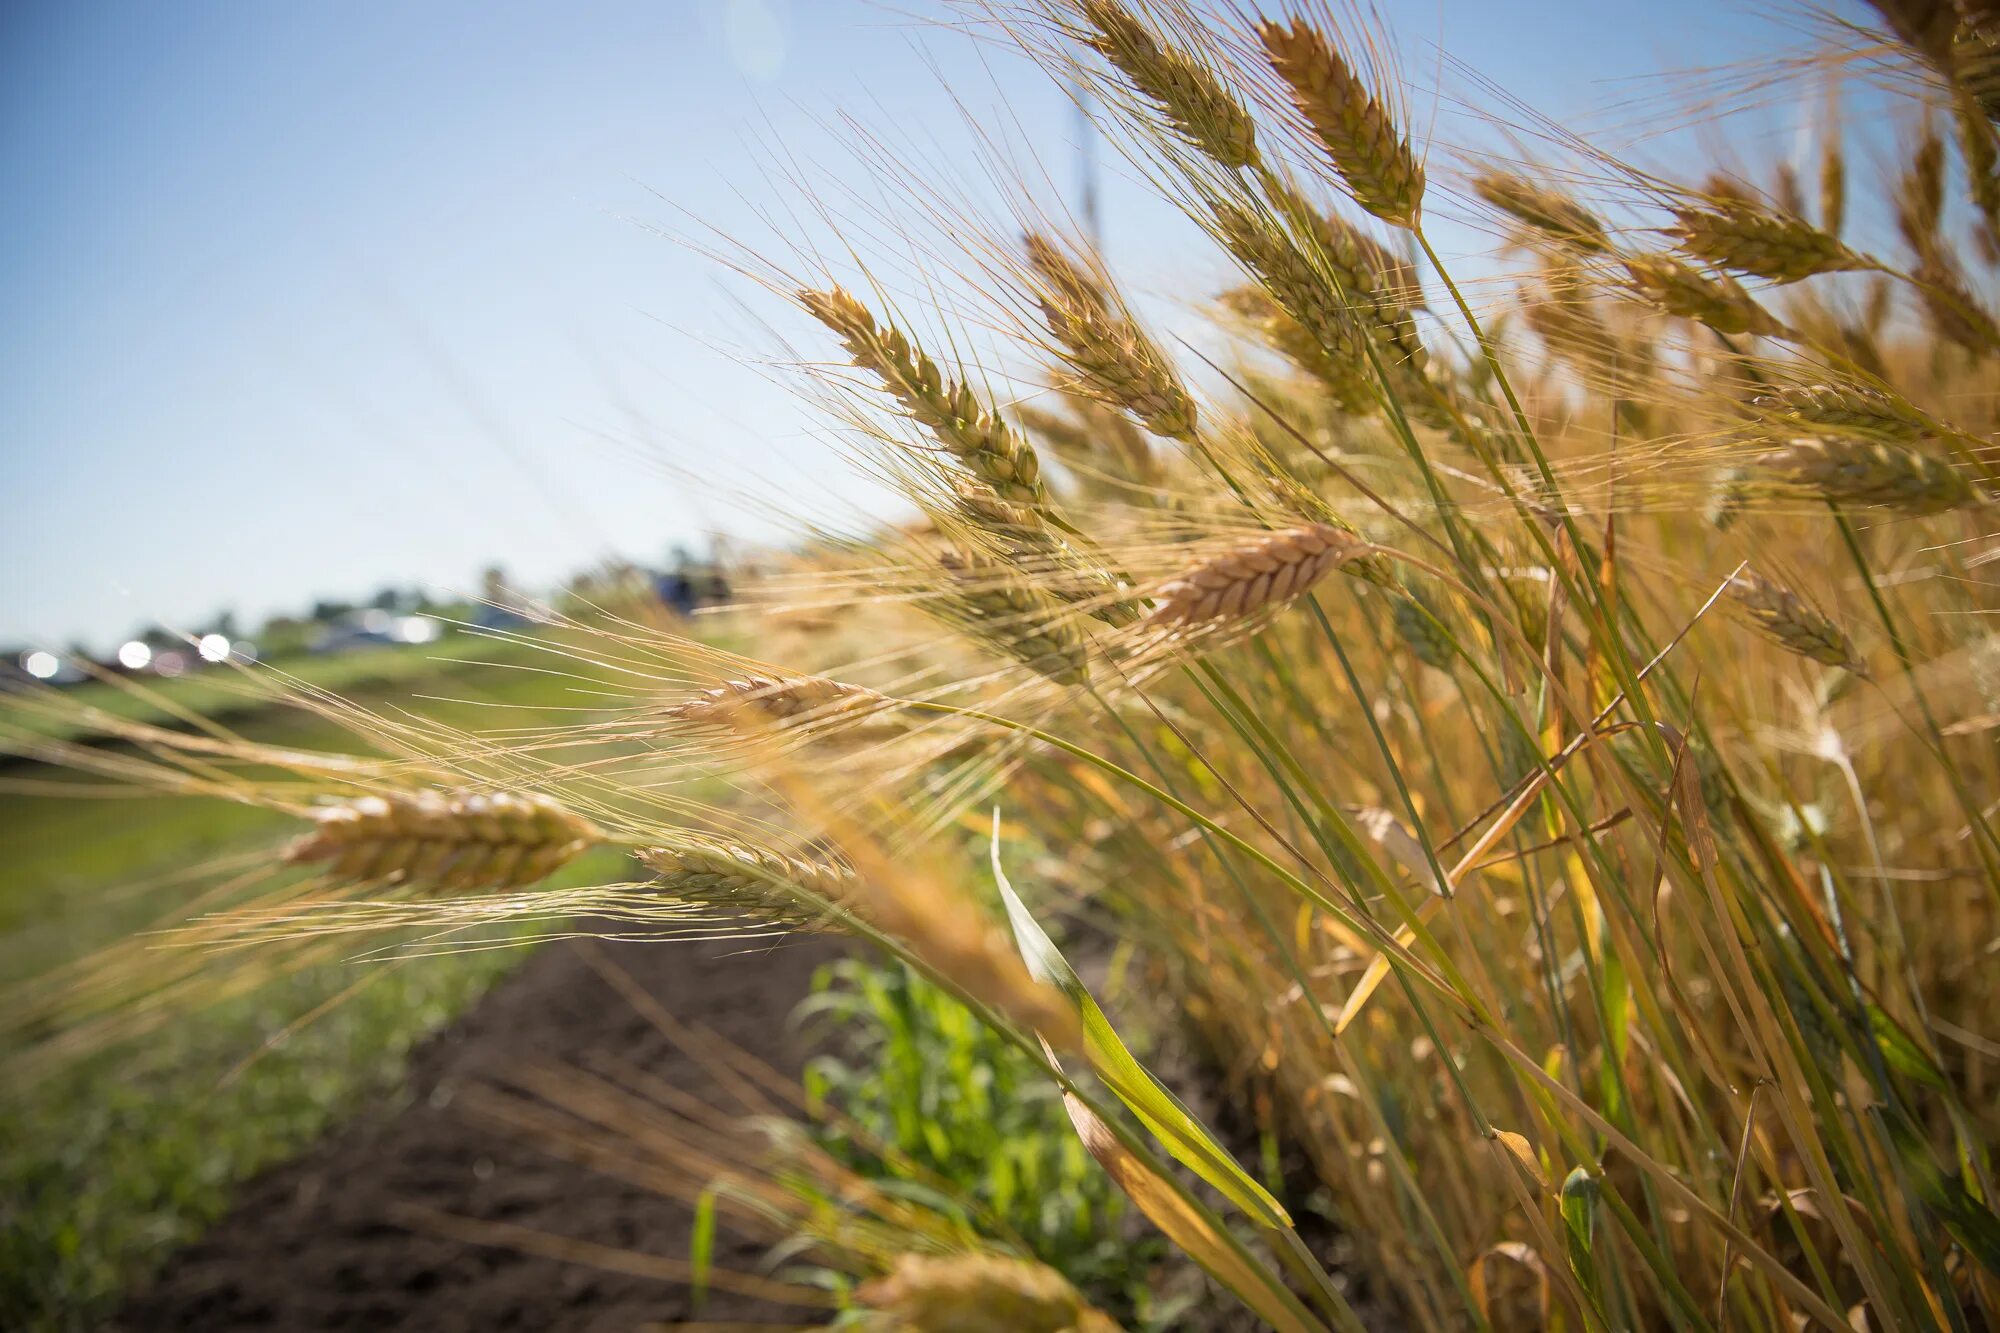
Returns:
<point x="313" y="1244"/>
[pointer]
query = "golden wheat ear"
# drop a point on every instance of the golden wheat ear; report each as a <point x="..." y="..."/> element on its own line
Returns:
<point x="1544" y="212"/>
<point x="979" y="439"/>
<point x="1867" y="472"/>
<point x="1353" y="126"/>
<point x="974" y="1291"/>
<point x="1255" y="576"/>
<point x="1186" y="95"/>
<point x="1113" y="358"/>
<point x="1744" y="237"/>
<point x="1716" y="301"/>
<point x="1789" y="622"/>
<point x="749" y="881"/>
<point x="446" y="841"/>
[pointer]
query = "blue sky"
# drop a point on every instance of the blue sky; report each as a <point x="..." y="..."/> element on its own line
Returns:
<point x="308" y="297"/>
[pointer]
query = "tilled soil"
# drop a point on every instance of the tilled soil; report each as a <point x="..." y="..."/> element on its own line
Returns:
<point x="313" y="1244"/>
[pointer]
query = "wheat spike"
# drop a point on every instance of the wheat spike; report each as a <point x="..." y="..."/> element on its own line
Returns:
<point x="1070" y="568"/>
<point x="994" y="602"/>
<point x="1853" y="409"/>
<point x="1920" y="196"/>
<point x="1542" y="210"/>
<point x="748" y="881"/>
<point x="1979" y="149"/>
<point x="1790" y="623"/>
<point x="1354" y="128"/>
<point x="778" y="701"/>
<point x="978" y="438"/>
<point x="1742" y="236"/>
<point x="1346" y="381"/>
<point x="1259" y="574"/>
<point x="1190" y="98"/>
<point x="1417" y="621"/>
<point x="445" y="841"/>
<point x="1380" y="289"/>
<point x="1832" y="186"/>
<point x="1719" y="302"/>
<point x="1855" y="471"/>
<point x="1955" y="313"/>
<point x="1112" y="356"/>
<point x="981" y="1293"/>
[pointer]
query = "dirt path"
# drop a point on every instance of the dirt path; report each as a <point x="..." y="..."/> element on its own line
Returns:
<point x="310" y="1245"/>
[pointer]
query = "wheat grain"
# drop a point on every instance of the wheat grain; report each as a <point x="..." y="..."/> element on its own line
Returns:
<point x="1356" y="131"/>
<point x="445" y="841"/>
<point x="1255" y="576"/>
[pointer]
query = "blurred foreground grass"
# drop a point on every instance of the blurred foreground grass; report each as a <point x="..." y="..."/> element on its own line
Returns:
<point x="106" y="1166"/>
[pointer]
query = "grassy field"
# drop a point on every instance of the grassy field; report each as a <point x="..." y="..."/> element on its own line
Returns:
<point x="104" y="1167"/>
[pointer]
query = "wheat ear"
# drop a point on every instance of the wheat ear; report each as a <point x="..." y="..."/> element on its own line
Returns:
<point x="1115" y="361"/>
<point x="988" y="446"/>
<point x="445" y="841"/>
<point x="1719" y="302"/>
<point x="1354" y="128"/>
<point x="1855" y="471"/>
<point x="1790" y="623"/>
<point x="1548" y="213"/>
<point x="775" y="700"/>
<point x="748" y="881"/>
<point x="995" y="603"/>
<point x="1852" y="409"/>
<point x="981" y="1293"/>
<point x="1741" y="236"/>
<point x="1259" y="574"/>
<point x="1187" y="96"/>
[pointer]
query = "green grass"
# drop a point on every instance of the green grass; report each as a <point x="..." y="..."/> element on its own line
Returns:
<point x="109" y="1164"/>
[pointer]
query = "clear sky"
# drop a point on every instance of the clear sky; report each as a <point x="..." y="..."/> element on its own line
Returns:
<point x="306" y="297"/>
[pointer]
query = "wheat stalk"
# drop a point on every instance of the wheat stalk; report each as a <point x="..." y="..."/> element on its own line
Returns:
<point x="1354" y="128"/>
<point x="445" y="841"/>
<point x="1260" y="574"/>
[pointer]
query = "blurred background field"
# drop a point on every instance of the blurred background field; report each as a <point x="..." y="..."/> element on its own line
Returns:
<point x="108" y="1164"/>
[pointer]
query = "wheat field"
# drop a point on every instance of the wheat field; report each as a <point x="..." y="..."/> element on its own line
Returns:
<point x="1534" y="727"/>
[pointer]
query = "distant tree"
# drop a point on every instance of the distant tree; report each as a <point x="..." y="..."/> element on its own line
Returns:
<point x="330" y="609"/>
